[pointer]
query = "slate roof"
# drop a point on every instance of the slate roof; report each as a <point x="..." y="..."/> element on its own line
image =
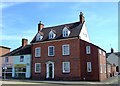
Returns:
<point x="74" y="28"/>
<point x="116" y="53"/>
<point x="19" y="51"/>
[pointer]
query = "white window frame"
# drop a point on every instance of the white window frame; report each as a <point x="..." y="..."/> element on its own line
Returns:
<point x="21" y="58"/>
<point x="105" y="68"/>
<point x="36" y="52"/>
<point x="101" y="68"/>
<point x="52" y="35"/>
<point x="49" y="50"/>
<point x="63" y="67"/>
<point x="63" y="49"/>
<point x="104" y="54"/>
<point x="65" y="32"/>
<point x="100" y="52"/>
<point x="89" y="67"/>
<point x="35" y="67"/>
<point x="39" y="37"/>
<point x="88" y="50"/>
<point x="6" y="59"/>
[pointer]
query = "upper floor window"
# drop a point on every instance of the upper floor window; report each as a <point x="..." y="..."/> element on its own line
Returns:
<point x="65" y="49"/>
<point x="88" y="51"/>
<point x="105" y="68"/>
<point x="100" y="51"/>
<point x="37" y="67"/>
<point x="37" y="52"/>
<point x="89" y="67"/>
<point x="104" y="53"/>
<point x="52" y="35"/>
<point x="6" y="59"/>
<point x="100" y="68"/>
<point x="66" y="32"/>
<point x="21" y="58"/>
<point x="39" y="37"/>
<point x="51" y="51"/>
<point x="66" y="67"/>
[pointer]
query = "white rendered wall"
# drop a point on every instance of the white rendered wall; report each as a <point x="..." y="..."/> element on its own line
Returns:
<point x="84" y="33"/>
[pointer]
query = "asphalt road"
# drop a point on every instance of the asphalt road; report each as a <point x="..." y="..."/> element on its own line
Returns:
<point x="109" y="82"/>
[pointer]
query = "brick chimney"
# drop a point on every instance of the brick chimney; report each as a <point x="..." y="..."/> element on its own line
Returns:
<point x="40" y="26"/>
<point x="112" y="50"/>
<point x="82" y="18"/>
<point x="24" y="42"/>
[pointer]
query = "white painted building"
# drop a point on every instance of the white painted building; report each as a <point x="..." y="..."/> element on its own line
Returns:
<point x="114" y="58"/>
<point x="22" y="66"/>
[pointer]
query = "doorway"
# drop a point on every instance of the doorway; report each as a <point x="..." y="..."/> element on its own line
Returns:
<point x="50" y="70"/>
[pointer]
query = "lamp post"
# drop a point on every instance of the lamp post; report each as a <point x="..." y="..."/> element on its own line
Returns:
<point x="4" y="72"/>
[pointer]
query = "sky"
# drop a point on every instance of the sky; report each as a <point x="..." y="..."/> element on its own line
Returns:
<point x="20" y="20"/>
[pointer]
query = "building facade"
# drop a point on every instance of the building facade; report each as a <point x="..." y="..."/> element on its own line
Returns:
<point x="64" y="52"/>
<point x="17" y="63"/>
<point x="3" y="50"/>
<point x="22" y="66"/>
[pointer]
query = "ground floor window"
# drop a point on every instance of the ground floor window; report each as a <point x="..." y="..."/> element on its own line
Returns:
<point x="66" y="67"/>
<point x="37" y="67"/>
<point x="20" y="72"/>
<point x="7" y="73"/>
<point x="89" y="67"/>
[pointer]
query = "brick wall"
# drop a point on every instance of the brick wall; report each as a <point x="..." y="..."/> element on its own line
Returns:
<point x="93" y="58"/>
<point x="73" y="58"/>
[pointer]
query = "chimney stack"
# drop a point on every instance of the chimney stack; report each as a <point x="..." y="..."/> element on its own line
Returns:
<point x="112" y="50"/>
<point x="40" y="26"/>
<point x="24" y="42"/>
<point x="82" y="18"/>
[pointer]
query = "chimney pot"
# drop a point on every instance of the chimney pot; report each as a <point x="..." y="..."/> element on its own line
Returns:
<point x="112" y="50"/>
<point x="24" y="42"/>
<point x="40" y="26"/>
<point x="82" y="18"/>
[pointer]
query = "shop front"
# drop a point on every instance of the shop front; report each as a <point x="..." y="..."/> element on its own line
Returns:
<point x="20" y="71"/>
<point x="6" y="71"/>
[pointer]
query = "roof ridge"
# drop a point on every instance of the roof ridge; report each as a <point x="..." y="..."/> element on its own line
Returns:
<point x="60" y="25"/>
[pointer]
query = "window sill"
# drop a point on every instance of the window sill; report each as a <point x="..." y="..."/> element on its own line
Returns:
<point x="51" y="55"/>
<point x="37" y="72"/>
<point x="37" y="57"/>
<point x="66" y="72"/>
<point x="66" y="55"/>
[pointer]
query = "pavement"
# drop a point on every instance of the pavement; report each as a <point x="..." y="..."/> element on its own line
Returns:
<point x="111" y="80"/>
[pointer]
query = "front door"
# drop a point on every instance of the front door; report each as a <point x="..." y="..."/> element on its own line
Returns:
<point x="49" y="70"/>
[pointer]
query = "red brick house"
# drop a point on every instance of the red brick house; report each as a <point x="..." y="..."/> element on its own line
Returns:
<point x="64" y="52"/>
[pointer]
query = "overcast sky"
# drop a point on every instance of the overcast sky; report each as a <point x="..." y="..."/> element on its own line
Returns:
<point x="20" y="20"/>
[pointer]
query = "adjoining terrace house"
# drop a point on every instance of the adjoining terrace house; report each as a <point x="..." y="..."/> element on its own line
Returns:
<point x="64" y="52"/>
<point x="18" y="62"/>
<point x="3" y="50"/>
<point x="114" y="58"/>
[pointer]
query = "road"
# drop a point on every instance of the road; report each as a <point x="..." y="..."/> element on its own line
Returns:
<point x="113" y="81"/>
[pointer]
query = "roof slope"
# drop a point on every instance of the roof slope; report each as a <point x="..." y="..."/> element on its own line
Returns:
<point x="74" y="28"/>
<point x="116" y="53"/>
<point x="19" y="51"/>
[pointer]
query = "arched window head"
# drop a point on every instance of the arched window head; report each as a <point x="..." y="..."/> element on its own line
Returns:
<point x="52" y="34"/>
<point x="66" y="32"/>
<point x="39" y="37"/>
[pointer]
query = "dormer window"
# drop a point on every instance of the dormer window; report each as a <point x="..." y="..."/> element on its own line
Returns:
<point x="66" y="32"/>
<point x="39" y="37"/>
<point x="52" y="35"/>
